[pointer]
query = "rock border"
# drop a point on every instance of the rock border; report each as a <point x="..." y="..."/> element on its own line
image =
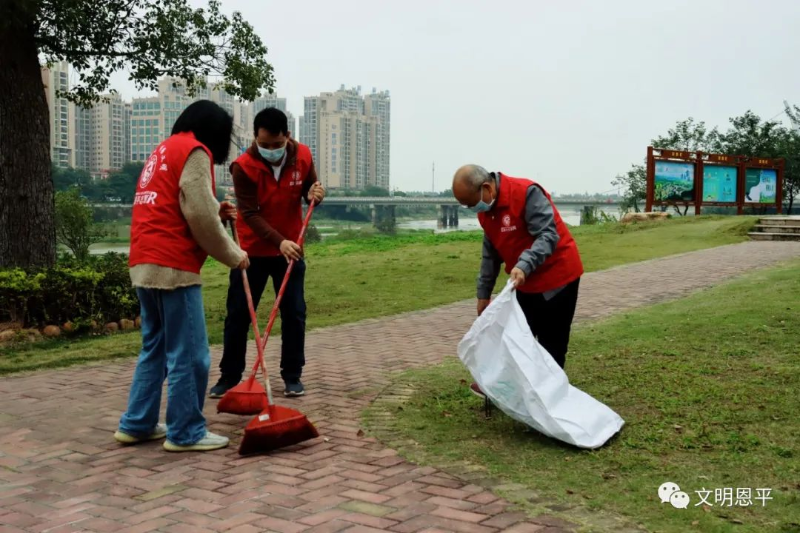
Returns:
<point x="15" y="334"/>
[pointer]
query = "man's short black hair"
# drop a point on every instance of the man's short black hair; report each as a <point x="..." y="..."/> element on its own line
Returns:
<point x="271" y="119"/>
<point x="211" y="125"/>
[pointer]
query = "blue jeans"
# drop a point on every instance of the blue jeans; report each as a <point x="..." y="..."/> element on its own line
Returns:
<point x="174" y="346"/>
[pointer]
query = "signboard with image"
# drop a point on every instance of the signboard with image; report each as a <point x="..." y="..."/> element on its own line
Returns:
<point x="760" y="185"/>
<point x="674" y="182"/>
<point x="719" y="184"/>
<point x="679" y="178"/>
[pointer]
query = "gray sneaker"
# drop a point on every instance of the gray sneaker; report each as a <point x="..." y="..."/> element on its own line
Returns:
<point x="159" y="432"/>
<point x="210" y="442"/>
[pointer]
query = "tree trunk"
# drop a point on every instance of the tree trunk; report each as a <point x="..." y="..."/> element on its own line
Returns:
<point x="27" y="229"/>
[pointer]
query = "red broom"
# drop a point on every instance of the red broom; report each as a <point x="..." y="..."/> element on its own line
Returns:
<point x="248" y="397"/>
<point x="277" y="426"/>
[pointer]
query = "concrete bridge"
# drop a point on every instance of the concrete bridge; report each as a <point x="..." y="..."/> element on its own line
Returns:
<point x="384" y="207"/>
<point x="438" y="200"/>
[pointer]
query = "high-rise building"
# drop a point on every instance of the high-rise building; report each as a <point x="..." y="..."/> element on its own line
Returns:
<point x="231" y="104"/>
<point x="301" y="134"/>
<point x="310" y="118"/>
<point x="147" y="121"/>
<point x="217" y="94"/>
<point x="379" y="106"/>
<point x="257" y="105"/>
<point x="292" y="124"/>
<point x="61" y="113"/>
<point x="152" y="118"/>
<point x="269" y="100"/>
<point x="263" y="102"/>
<point x="102" y="136"/>
<point x="349" y="137"/>
<point x="84" y="137"/>
<point x="128" y="114"/>
<point x="242" y="131"/>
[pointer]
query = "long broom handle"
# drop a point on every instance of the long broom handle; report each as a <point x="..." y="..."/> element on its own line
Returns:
<point x="279" y="297"/>
<point x="253" y="316"/>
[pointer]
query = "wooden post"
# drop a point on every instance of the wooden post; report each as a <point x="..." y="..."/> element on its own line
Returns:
<point x="698" y="184"/>
<point x="651" y="183"/>
<point x="741" y="181"/>
<point x="779" y="186"/>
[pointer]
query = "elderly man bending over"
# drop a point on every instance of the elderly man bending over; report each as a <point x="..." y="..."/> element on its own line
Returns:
<point x="523" y="229"/>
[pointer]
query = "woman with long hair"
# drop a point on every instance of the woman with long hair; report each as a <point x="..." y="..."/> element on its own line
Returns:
<point x="176" y="223"/>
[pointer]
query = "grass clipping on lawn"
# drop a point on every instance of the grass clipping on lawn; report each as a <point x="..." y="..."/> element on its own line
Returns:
<point x="709" y="388"/>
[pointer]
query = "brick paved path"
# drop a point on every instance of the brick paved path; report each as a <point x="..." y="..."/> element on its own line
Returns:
<point x="61" y="471"/>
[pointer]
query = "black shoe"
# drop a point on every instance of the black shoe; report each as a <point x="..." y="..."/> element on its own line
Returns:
<point x="294" y="387"/>
<point x="223" y="385"/>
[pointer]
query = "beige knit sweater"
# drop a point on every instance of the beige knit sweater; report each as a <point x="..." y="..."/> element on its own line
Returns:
<point x="201" y="211"/>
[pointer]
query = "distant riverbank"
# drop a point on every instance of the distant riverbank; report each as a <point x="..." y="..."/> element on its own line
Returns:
<point x="332" y="228"/>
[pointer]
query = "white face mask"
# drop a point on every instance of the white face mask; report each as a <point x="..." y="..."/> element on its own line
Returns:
<point x="273" y="156"/>
<point x="481" y="206"/>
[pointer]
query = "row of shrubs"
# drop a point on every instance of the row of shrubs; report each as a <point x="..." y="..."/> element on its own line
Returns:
<point x="95" y="290"/>
<point x="85" y="293"/>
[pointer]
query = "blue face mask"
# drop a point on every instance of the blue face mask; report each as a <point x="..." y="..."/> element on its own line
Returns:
<point x="273" y="156"/>
<point x="481" y="206"/>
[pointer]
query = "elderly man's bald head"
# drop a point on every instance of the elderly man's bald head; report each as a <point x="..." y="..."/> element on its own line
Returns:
<point x="473" y="184"/>
<point x="472" y="175"/>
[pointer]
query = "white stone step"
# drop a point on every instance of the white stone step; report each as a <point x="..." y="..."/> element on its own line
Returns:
<point x="758" y="236"/>
<point x="768" y="227"/>
<point x="793" y="221"/>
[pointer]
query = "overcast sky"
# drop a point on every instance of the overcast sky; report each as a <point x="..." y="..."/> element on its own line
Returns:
<point x="569" y="92"/>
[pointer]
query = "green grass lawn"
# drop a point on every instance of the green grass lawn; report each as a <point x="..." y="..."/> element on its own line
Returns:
<point x="350" y="280"/>
<point x="118" y="232"/>
<point x="710" y="391"/>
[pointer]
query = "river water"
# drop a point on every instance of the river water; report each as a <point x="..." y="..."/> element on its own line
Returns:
<point x="466" y="222"/>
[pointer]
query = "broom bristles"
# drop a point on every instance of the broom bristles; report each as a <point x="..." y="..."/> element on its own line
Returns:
<point x="257" y="441"/>
<point x="246" y="398"/>
<point x="242" y="403"/>
<point x="285" y="427"/>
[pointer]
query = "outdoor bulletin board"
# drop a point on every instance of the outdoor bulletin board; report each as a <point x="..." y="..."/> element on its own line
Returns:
<point x="681" y="178"/>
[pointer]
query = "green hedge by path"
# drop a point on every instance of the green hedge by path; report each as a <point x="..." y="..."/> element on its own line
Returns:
<point x="97" y="290"/>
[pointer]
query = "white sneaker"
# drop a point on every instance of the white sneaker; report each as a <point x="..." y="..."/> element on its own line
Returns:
<point x="159" y="432"/>
<point x="210" y="442"/>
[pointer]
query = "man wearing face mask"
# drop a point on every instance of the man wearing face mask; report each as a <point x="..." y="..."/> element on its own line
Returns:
<point x="271" y="180"/>
<point x="524" y="230"/>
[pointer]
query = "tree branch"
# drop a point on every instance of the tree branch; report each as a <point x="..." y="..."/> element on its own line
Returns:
<point x="83" y="53"/>
<point x="118" y="21"/>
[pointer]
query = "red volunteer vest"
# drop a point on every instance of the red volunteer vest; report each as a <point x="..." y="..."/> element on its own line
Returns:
<point x="279" y="202"/>
<point x="506" y="229"/>
<point x="160" y="234"/>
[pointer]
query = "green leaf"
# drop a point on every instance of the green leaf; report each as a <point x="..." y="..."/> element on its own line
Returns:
<point x="151" y="39"/>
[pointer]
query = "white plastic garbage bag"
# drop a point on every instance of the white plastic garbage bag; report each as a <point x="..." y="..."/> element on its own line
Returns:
<point x="523" y="380"/>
